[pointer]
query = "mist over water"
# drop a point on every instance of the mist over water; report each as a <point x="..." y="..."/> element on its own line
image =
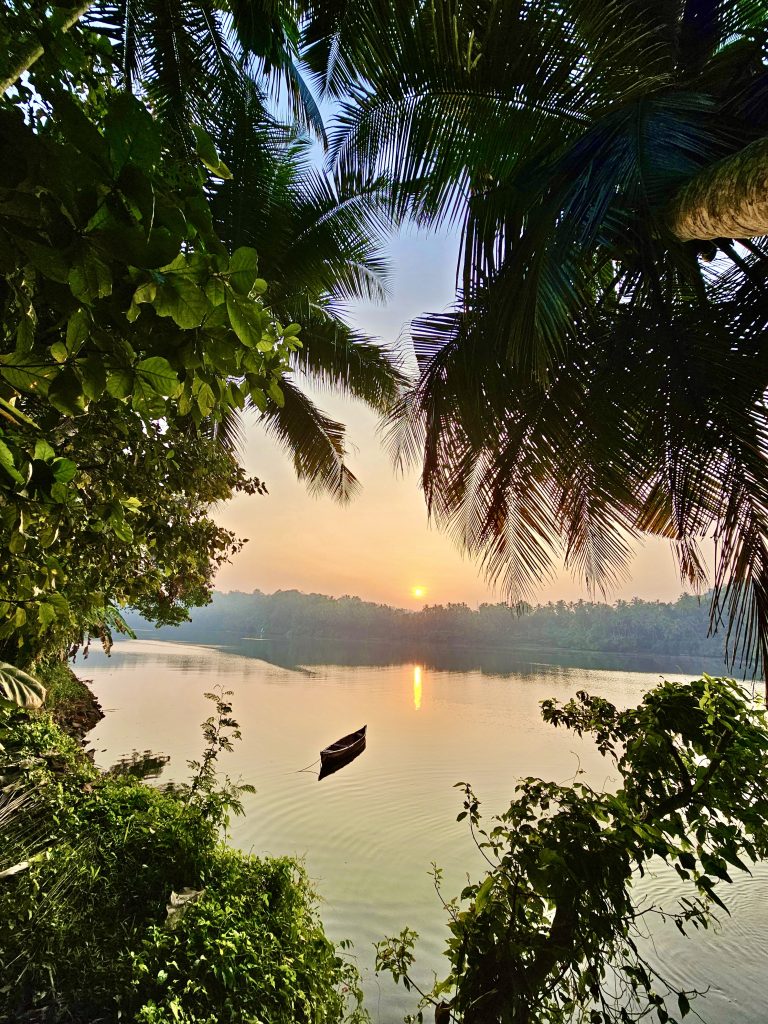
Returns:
<point x="369" y="833"/>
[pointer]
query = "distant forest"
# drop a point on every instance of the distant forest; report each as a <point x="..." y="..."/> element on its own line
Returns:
<point x="635" y="626"/>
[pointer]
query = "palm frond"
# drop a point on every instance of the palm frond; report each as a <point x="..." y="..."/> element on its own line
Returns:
<point x="335" y="356"/>
<point x="314" y="441"/>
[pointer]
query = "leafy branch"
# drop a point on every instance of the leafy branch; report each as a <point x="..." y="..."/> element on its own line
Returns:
<point x="216" y="798"/>
<point x="552" y="933"/>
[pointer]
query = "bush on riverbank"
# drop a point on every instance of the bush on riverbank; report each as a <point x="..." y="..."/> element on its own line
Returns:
<point x="71" y="704"/>
<point x="555" y="931"/>
<point x="86" y="930"/>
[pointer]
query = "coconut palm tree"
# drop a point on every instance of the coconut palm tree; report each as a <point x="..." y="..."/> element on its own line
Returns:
<point x="319" y="237"/>
<point x="603" y="372"/>
<point x="320" y="242"/>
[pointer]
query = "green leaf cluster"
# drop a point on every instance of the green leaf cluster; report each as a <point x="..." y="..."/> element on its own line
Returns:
<point x="128" y="332"/>
<point x="86" y="930"/>
<point x="552" y="933"/>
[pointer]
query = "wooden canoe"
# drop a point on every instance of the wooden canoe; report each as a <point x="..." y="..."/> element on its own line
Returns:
<point x="340" y="753"/>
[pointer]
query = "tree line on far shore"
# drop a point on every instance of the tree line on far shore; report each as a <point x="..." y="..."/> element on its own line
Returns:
<point x="634" y="626"/>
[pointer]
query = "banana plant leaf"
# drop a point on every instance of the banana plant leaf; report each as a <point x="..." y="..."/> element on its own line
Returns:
<point x="18" y="687"/>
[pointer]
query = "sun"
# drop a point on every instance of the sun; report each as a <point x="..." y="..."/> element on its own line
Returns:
<point x="418" y="591"/>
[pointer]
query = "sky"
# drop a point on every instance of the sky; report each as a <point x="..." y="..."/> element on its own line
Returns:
<point x="381" y="546"/>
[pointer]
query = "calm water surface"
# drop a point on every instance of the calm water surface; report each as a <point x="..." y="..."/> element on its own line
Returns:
<point x="369" y="834"/>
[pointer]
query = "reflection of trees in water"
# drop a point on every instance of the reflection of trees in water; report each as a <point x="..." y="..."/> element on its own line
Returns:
<point x="140" y="765"/>
<point x="300" y="655"/>
<point x="448" y="658"/>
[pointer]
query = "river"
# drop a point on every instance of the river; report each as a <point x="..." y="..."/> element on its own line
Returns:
<point x="369" y="833"/>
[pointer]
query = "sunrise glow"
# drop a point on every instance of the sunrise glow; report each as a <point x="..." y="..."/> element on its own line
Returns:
<point x="418" y="591"/>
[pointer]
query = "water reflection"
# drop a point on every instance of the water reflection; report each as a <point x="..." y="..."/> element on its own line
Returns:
<point x="417" y="687"/>
<point x="369" y="834"/>
<point x="136" y="765"/>
<point x="299" y="654"/>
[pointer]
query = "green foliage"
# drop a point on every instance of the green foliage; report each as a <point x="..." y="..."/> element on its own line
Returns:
<point x="134" y="325"/>
<point x="121" y="345"/>
<point x="216" y="799"/>
<point x="63" y="688"/>
<point x="551" y="933"/>
<point x="87" y="929"/>
<point x="17" y="687"/>
<point x="197" y="968"/>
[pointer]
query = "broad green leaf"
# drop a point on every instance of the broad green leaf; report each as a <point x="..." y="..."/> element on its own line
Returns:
<point x="64" y="470"/>
<point x="131" y="132"/>
<point x="275" y="392"/>
<point x="19" y="687"/>
<point x="235" y="395"/>
<point x="215" y="291"/>
<point x="67" y="395"/>
<point x="8" y="464"/>
<point x="90" y="279"/>
<point x="243" y="268"/>
<point x="48" y="535"/>
<point x="43" y="450"/>
<point x="185" y="403"/>
<point x="16" y="546"/>
<point x="483" y="893"/>
<point x="46" y="615"/>
<point x="120" y="383"/>
<point x="223" y="353"/>
<point x="30" y="378"/>
<point x="205" y="398"/>
<point x="146" y="400"/>
<point x="59" y="352"/>
<point x="94" y="376"/>
<point x="159" y="373"/>
<point x="25" y="333"/>
<point x="121" y="529"/>
<point x="130" y="244"/>
<point x="206" y="150"/>
<point x="245" y="318"/>
<point x="204" y="145"/>
<point x="145" y="292"/>
<point x="78" y="329"/>
<point x="58" y="601"/>
<point x="183" y="300"/>
<point x="50" y="262"/>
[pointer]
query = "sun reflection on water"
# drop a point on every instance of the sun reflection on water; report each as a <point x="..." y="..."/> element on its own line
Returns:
<point x="416" y="687"/>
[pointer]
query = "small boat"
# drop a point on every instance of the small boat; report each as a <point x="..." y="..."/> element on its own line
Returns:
<point x="340" y="753"/>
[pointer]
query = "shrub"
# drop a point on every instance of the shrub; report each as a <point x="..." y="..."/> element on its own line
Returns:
<point x="552" y="934"/>
<point x="86" y="930"/>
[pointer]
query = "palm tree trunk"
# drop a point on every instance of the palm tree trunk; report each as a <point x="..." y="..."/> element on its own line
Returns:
<point x="35" y="50"/>
<point x="729" y="199"/>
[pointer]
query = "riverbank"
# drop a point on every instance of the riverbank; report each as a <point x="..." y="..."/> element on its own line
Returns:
<point x="69" y="701"/>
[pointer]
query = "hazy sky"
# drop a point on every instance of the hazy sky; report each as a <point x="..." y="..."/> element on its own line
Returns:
<point x="380" y="546"/>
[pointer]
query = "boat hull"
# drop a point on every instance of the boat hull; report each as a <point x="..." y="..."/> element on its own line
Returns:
<point x="340" y="753"/>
